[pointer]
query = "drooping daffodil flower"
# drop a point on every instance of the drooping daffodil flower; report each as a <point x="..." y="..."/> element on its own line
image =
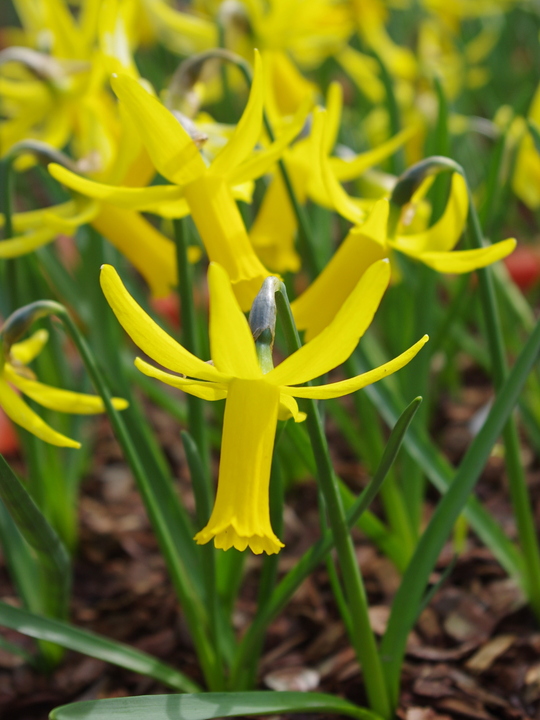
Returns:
<point x="254" y="400"/>
<point x="369" y="241"/>
<point x="274" y="229"/>
<point x="16" y="377"/>
<point x="207" y="189"/>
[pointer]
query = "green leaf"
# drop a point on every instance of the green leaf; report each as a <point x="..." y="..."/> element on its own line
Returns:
<point x="53" y="559"/>
<point x="206" y="706"/>
<point x="441" y="474"/>
<point x="408" y="599"/>
<point x="94" y="645"/>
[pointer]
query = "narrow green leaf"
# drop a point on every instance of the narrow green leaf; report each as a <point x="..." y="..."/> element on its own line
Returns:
<point x="408" y="598"/>
<point x="52" y="556"/>
<point x="206" y="706"/>
<point x="94" y="645"/>
<point x="441" y="474"/>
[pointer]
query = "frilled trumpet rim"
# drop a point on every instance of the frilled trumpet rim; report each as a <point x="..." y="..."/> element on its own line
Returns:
<point x="241" y="514"/>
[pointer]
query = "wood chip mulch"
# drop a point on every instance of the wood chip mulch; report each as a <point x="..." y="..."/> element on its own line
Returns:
<point x="475" y="652"/>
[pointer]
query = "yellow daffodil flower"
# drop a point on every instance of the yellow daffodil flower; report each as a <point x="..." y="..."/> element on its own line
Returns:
<point x="254" y="400"/>
<point x="369" y="241"/>
<point x="55" y="91"/>
<point x="274" y="229"/>
<point x="526" y="177"/>
<point x="289" y="34"/>
<point x="207" y="190"/>
<point x="15" y="376"/>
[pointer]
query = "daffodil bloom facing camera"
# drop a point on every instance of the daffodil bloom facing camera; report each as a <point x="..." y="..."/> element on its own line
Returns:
<point x="254" y="400"/>
<point x="370" y="240"/>
<point x="207" y="190"/>
<point x="16" y="378"/>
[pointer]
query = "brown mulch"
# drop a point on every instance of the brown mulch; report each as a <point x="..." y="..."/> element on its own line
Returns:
<point x="475" y="652"/>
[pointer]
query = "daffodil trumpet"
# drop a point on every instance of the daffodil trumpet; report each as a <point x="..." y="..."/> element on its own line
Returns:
<point x="16" y="378"/>
<point x="255" y="400"/>
<point x="379" y="236"/>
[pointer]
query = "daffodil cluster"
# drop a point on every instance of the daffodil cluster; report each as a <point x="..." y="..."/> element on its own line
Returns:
<point x="71" y="82"/>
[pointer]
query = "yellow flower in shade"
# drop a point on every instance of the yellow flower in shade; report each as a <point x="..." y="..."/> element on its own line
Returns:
<point x="151" y="252"/>
<point x="274" y="229"/>
<point x="526" y="177"/>
<point x="207" y="190"/>
<point x="254" y="400"/>
<point x="15" y="376"/>
<point x="369" y="241"/>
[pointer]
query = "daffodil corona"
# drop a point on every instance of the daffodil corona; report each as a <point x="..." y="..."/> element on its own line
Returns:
<point x="254" y="400"/>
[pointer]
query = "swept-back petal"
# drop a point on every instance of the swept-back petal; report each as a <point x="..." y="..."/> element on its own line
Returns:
<point x="58" y="399"/>
<point x="443" y="235"/>
<point x="231" y="342"/>
<point x="26" y="350"/>
<point x="23" y="244"/>
<point x="241" y="514"/>
<point x="248" y="129"/>
<point x="21" y="414"/>
<point x="199" y="388"/>
<point x="363" y="246"/>
<point x="337" y="341"/>
<point x="464" y="261"/>
<point x="338" y="198"/>
<point x="172" y="150"/>
<point x="288" y="408"/>
<point x="132" y="198"/>
<point x="261" y="161"/>
<point x="147" y="334"/>
<point x="350" y="169"/>
<point x="344" y="387"/>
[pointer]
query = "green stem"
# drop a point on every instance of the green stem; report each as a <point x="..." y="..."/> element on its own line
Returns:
<point x="363" y="638"/>
<point x="195" y="405"/>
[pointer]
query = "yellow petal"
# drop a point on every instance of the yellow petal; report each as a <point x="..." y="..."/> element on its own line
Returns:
<point x="201" y="389"/>
<point x="26" y="350"/>
<point x="273" y="232"/>
<point x="148" y="250"/>
<point x="350" y="169"/>
<point x="345" y="387"/>
<point x="337" y="341"/>
<point x="260" y="162"/>
<point x="19" y="412"/>
<point x="173" y="152"/>
<point x="58" y="399"/>
<point x="247" y="131"/>
<point x="126" y="197"/>
<point x="338" y="198"/>
<point x="464" y="261"/>
<point x="224" y="235"/>
<point x="334" y="106"/>
<point x="231" y="342"/>
<point x="182" y="32"/>
<point x="147" y="334"/>
<point x="241" y="514"/>
<point x="288" y="408"/>
<point x="443" y="235"/>
<point x="30" y="241"/>
<point x="362" y="247"/>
